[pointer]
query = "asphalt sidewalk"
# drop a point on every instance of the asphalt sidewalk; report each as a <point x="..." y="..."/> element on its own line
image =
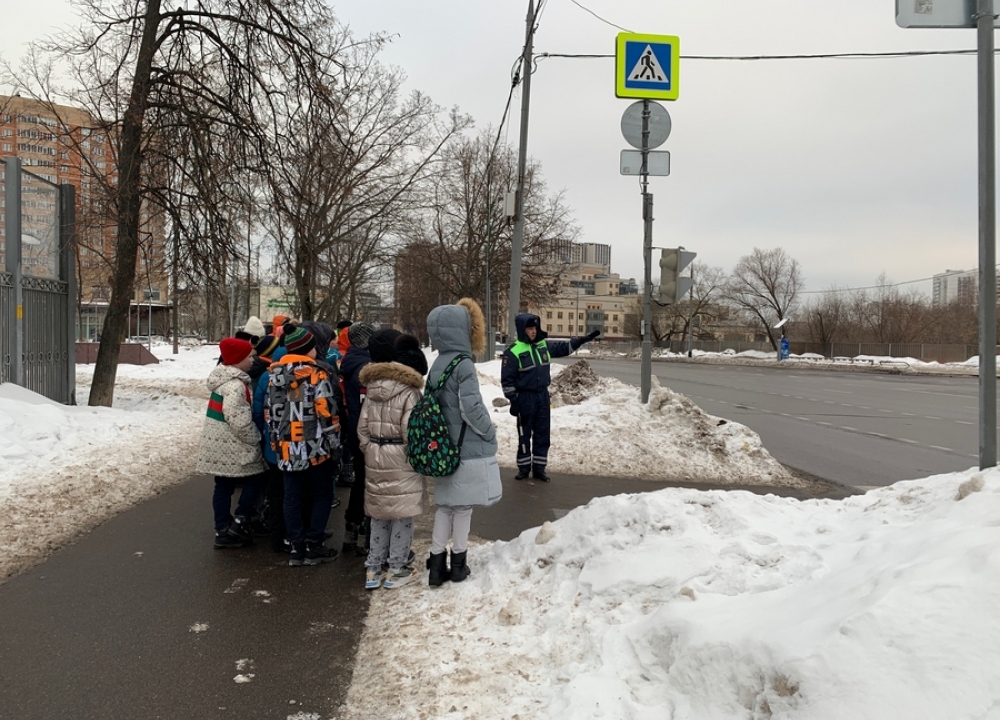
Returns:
<point x="143" y="619"/>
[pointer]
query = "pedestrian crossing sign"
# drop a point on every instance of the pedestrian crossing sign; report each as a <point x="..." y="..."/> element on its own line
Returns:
<point x="647" y="67"/>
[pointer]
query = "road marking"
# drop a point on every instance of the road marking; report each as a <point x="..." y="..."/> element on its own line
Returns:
<point x="848" y="428"/>
<point x="938" y="447"/>
<point x="908" y="414"/>
<point x="824" y="424"/>
<point x="911" y="442"/>
<point x="880" y="435"/>
<point x="864" y="407"/>
<point x="965" y="422"/>
<point x="802" y="418"/>
<point x="933" y="417"/>
<point x="845" y="405"/>
<point x="885" y="411"/>
<point x="829" y="402"/>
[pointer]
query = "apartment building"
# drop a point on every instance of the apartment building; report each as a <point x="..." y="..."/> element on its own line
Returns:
<point x="63" y="145"/>
<point x="954" y="285"/>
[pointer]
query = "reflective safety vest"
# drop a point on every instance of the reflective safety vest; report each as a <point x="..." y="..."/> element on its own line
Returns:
<point x="530" y="355"/>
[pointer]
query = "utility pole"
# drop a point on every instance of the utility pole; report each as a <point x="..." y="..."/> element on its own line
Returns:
<point x="646" y="366"/>
<point x="517" y="242"/>
<point x="987" y="240"/>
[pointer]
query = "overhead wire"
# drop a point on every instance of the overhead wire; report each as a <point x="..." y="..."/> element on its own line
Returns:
<point x="950" y="273"/>
<point x="814" y="56"/>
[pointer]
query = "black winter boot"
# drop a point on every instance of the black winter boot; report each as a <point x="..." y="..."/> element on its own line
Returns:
<point x="438" y="565"/>
<point x="459" y="570"/>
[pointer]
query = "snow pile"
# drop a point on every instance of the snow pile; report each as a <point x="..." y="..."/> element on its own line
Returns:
<point x="707" y="605"/>
<point x="600" y="427"/>
<point x="64" y="470"/>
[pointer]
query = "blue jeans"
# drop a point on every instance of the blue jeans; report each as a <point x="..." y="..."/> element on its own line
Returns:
<point x="320" y="479"/>
<point x="222" y="499"/>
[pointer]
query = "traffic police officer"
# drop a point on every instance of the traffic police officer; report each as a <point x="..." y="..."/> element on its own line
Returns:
<point x="525" y="379"/>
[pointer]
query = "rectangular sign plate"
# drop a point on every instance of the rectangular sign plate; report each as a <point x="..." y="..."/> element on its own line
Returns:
<point x="658" y="162"/>
<point x="937" y="14"/>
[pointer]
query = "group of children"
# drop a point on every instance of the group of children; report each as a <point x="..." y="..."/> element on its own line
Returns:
<point x="291" y="411"/>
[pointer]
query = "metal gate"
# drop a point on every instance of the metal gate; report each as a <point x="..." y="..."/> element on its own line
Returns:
<point x="38" y="284"/>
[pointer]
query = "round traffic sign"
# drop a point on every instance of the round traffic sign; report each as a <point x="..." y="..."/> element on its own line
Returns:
<point x="659" y="124"/>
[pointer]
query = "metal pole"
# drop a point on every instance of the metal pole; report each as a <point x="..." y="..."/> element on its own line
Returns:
<point x="67" y="247"/>
<point x="12" y="227"/>
<point x="987" y="241"/>
<point x="646" y="370"/>
<point x="517" y="241"/>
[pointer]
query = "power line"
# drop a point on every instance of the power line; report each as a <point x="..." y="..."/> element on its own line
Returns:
<point x="816" y="56"/>
<point x="951" y="273"/>
<point x="606" y="22"/>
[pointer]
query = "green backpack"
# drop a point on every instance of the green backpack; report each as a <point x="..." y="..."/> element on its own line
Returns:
<point x="429" y="447"/>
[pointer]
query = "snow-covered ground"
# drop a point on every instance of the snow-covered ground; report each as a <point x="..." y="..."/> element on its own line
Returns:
<point x="672" y="604"/>
<point x="709" y="606"/>
<point x="64" y="470"/>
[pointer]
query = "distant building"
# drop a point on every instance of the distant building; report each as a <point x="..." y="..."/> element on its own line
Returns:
<point x="954" y="285"/>
<point x="64" y="145"/>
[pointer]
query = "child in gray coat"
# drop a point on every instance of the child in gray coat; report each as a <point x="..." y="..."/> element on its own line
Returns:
<point x="461" y="330"/>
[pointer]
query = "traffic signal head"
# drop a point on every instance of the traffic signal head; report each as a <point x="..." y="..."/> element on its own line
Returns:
<point x="673" y="287"/>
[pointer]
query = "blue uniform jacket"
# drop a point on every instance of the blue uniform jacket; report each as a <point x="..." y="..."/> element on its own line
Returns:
<point x="526" y="363"/>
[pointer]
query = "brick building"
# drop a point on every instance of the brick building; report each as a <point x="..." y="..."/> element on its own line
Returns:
<point x="64" y="145"/>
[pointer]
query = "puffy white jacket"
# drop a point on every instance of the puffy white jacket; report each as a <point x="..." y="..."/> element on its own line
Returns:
<point x="392" y="488"/>
<point x="230" y="441"/>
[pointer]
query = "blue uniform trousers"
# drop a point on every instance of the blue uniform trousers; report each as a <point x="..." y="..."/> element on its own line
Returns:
<point x="533" y="419"/>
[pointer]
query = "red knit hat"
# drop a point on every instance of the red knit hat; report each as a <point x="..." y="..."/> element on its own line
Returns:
<point x="234" y="350"/>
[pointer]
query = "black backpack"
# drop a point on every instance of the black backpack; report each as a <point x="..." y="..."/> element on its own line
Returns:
<point x="429" y="447"/>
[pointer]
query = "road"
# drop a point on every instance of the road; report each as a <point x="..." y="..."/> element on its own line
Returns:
<point x="862" y="430"/>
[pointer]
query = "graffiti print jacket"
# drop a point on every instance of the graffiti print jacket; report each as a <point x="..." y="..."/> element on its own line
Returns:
<point x="301" y="413"/>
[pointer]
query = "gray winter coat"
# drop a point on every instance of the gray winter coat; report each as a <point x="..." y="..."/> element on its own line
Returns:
<point x="392" y="488"/>
<point x="455" y="329"/>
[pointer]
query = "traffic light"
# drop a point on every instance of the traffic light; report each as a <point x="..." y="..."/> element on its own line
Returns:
<point x="673" y="287"/>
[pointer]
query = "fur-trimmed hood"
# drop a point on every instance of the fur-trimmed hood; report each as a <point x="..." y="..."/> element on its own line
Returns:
<point x="458" y="328"/>
<point x="384" y="380"/>
<point x="391" y="371"/>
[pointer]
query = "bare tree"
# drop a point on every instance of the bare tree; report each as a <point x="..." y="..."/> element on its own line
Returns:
<point x="463" y="232"/>
<point x="344" y="171"/>
<point x="211" y="69"/>
<point x="765" y="287"/>
<point x="674" y="321"/>
<point x="827" y="317"/>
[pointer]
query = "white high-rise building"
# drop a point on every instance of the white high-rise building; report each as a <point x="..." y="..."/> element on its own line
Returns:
<point x="954" y="284"/>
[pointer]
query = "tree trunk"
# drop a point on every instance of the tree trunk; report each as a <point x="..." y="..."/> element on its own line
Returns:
<point x="102" y="390"/>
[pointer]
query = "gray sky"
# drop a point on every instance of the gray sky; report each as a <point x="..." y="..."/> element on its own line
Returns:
<point x="854" y="167"/>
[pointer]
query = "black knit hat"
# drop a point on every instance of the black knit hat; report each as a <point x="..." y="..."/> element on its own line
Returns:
<point x="344" y="324"/>
<point x="359" y="333"/>
<point x="382" y="345"/>
<point x="408" y="353"/>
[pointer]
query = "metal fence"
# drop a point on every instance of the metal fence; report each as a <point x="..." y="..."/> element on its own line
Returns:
<point x="38" y="286"/>
<point x="927" y="352"/>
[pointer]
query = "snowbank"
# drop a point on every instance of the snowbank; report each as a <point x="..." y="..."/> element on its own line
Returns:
<point x="708" y="605"/>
